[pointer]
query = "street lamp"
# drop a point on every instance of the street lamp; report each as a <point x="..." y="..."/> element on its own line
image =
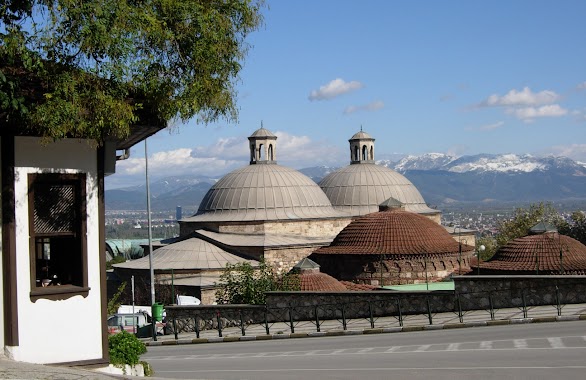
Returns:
<point x="481" y="249"/>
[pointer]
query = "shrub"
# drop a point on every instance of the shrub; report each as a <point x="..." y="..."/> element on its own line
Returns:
<point x="125" y="348"/>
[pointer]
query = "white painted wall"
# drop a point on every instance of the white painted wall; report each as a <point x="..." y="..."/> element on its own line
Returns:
<point x="1" y="272"/>
<point x="71" y="329"/>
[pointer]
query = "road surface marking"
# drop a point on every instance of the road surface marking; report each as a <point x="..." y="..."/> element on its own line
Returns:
<point x="556" y="343"/>
<point x="422" y="348"/>
<point x="486" y="345"/>
<point x="520" y="343"/>
<point x="393" y="349"/>
<point x="453" y="347"/>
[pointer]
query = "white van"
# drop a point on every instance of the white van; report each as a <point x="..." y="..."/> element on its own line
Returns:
<point x="129" y="322"/>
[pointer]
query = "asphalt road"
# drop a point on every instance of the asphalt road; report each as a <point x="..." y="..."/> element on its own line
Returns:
<point x="532" y="351"/>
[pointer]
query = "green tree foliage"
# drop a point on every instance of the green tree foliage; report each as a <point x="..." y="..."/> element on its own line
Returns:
<point x="490" y="247"/>
<point x="243" y="284"/>
<point x="87" y="68"/>
<point x="523" y="219"/>
<point x="116" y="300"/>
<point x="125" y="348"/>
<point x="576" y="228"/>
<point x="519" y="225"/>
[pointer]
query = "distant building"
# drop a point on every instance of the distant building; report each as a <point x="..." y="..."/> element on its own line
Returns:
<point x="178" y="213"/>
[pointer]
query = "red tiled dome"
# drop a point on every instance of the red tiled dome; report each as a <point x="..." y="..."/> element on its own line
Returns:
<point x="320" y="282"/>
<point x="393" y="232"/>
<point x="358" y="287"/>
<point x="539" y="252"/>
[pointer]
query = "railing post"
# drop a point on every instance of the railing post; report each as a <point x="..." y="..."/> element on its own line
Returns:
<point x="524" y="303"/>
<point x="316" y="318"/>
<point x="344" y="316"/>
<point x="175" y="328"/>
<point x="196" y="326"/>
<point x="267" y="320"/>
<point x="291" y="319"/>
<point x="429" y="310"/>
<point x="219" y="323"/>
<point x="400" y="313"/>
<point x="370" y="315"/>
<point x="242" y="324"/>
<point x="557" y="300"/>
<point x="491" y="306"/>
<point x="460" y="315"/>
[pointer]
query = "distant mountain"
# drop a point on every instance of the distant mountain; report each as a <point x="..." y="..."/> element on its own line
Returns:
<point x="166" y="194"/>
<point x="442" y="179"/>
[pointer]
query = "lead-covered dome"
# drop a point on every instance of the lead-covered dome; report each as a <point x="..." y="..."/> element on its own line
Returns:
<point x="360" y="187"/>
<point x="264" y="191"/>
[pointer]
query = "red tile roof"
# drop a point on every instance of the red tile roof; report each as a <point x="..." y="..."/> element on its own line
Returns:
<point x="539" y="252"/>
<point x="320" y="282"/>
<point x="358" y="287"/>
<point x="393" y="232"/>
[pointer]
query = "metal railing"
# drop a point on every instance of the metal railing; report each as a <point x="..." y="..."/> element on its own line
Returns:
<point x="339" y="314"/>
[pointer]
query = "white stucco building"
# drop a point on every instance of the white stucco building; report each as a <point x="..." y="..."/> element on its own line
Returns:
<point x="53" y="297"/>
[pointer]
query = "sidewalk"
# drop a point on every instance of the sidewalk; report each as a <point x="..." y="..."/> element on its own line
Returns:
<point x="10" y="369"/>
<point x="474" y="318"/>
<point x="17" y="370"/>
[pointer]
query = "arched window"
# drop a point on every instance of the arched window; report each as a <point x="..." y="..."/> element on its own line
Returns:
<point x="364" y="153"/>
<point x="260" y="152"/>
<point x="356" y="153"/>
<point x="371" y="153"/>
<point x="270" y="157"/>
<point x="252" y="153"/>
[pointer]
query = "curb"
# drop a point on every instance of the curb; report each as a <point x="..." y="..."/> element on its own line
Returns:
<point x="369" y="331"/>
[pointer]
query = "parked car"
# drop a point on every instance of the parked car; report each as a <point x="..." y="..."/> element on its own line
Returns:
<point x="128" y="322"/>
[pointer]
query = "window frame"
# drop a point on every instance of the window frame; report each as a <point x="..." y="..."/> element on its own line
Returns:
<point x="59" y="292"/>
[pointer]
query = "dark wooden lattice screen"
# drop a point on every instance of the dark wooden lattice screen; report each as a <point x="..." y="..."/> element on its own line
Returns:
<point x="54" y="209"/>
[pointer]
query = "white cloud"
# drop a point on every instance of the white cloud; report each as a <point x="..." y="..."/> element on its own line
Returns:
<point x="576" y="152"/>
<point x="176" y="162"/>
<point x="334" y="88"/>
<point x="491" y="127"/>
<point x="302" y="152"/>
<point x="524" y="97"/>
<point x="221" y="157"/>
<point x="581" y="86"/>
<point x="377" y="105"/>
<point x="234" y="148"/>
<point x="530" y="113"/>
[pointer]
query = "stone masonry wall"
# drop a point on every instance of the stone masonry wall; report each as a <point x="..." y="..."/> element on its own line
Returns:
<point x="385" y="270"/>
<point x="472" y="293"/>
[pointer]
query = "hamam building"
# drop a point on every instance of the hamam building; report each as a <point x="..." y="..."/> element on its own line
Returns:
<point x="265" y="210"/>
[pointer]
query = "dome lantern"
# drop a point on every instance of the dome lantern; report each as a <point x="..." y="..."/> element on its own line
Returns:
<point x="361" y="148"/>
<point x="263" y="147"/>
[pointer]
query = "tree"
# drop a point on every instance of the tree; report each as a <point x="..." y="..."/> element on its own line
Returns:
<point x="244" y="284"/>
<point x="519" y="226"/>
<point x="576" y="228"/>
<point x="89" y="68"/>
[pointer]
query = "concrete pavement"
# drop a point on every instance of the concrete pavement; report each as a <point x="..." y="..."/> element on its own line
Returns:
<point x="17" y="370"/>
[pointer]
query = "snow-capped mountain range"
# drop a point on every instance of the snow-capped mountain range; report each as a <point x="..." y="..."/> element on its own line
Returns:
<point x="504" y="163"/>
<point x="440" y="178"/>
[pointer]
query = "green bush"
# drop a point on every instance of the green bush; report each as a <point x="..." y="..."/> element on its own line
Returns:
<point x="125" y="348"/>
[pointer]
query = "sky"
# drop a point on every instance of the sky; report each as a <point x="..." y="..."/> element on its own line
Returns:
<point x="453" y="77"/>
